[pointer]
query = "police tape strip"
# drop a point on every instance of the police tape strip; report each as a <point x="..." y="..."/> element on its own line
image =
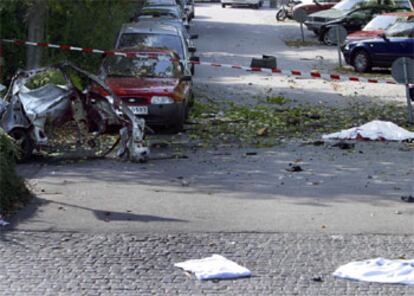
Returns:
<point x="296" y="73"/>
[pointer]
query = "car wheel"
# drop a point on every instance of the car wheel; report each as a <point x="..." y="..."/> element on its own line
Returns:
<point x="223" y="5"/>
<point x="256" y="6"/>
<point x="281" y="15"/>
<point x="361" y="61"/>
<point x="23" y="142"/>
<point x="192" y="69"/>
<point x="325" y="39"/>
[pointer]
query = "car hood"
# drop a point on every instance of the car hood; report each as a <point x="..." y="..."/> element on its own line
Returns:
<point x="127" y="86"/>
<point x="364" y="35"/>
<point x="329" y="14"/>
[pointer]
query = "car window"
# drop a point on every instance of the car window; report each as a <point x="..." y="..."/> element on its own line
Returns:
<point x="172" y="42"/>
<point x="401" y="29"/>
<point x="361" y="14"/>
<point x="382" y="22"/>
<point x="119" y="66"/>
<point x="347" y="4"/>
<point x="152" y="11"/>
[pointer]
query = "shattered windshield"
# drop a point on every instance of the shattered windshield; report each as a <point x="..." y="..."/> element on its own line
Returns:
<point x="140" y="67"/>
<point x="172" y="42"/>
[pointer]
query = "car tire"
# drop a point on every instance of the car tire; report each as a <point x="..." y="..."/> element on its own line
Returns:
<point x="223" y="5"/>
<point x="325" y="39"/>
<point x="192" y="69"/>
<point x="361" y="61"/>
<point x="256" y="6"/>
<point x="24" y="143"/>
<point x="281" y="15"/>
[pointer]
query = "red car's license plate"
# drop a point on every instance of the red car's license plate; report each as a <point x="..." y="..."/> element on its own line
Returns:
<point x="139" y="110"/>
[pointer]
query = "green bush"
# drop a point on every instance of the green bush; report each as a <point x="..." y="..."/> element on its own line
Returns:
<point x="13" y="191"/>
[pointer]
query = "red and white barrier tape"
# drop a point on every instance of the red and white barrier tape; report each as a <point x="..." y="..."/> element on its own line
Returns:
<point x="296" y="73"/>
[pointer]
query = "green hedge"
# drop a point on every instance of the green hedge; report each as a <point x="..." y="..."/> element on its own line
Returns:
<point x="13" y="191"/>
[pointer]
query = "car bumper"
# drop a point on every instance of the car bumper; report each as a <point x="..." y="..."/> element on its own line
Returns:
<point x="313" y="26"/>
<point x="347" y="56"/>
<point x="164" y="115"/>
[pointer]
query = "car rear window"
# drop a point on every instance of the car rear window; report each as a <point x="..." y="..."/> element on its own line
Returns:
<point x="171" y="42"/>
<point x="119" y="66"/>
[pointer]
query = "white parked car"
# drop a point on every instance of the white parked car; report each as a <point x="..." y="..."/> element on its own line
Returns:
<point x="251" y="3"/>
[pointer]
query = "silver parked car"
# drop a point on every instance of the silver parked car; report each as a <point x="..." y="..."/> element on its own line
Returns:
<point x="156" y="34"/>
<point x="251" y="3"/>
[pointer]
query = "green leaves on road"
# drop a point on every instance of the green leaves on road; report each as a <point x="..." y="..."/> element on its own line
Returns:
<point x="274" y="119"/>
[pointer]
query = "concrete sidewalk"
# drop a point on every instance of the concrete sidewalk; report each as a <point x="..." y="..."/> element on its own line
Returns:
<point x="52" y="263"/>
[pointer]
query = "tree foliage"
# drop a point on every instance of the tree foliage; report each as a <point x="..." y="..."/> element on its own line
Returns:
<point x="85" y="23"/>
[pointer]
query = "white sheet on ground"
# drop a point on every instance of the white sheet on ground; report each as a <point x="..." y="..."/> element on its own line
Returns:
<point x="214" y="267"/>
<point x="374" y="130"/>
<point x="379" y="270"/>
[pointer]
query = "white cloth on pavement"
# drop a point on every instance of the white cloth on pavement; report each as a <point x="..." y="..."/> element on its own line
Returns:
<point x="214" y="267"/>
<point x="379" y="270"/>
<point x="374" y="130"/>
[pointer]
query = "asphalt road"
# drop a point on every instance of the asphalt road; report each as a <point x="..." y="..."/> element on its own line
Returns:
<point x="338" y="191"/>
<point x="236" y="35"/>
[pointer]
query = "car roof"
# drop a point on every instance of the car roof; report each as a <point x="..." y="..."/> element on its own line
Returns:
<point x="149" y="27"/>
<point x="154" y="8"/>
<point x="159" y="2"/>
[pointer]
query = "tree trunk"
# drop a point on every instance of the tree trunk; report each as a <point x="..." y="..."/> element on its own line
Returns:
<point x="36" y="16"/>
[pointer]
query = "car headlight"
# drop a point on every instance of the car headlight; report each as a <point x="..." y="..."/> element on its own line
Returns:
<point x="346" y="47"/>
<point x="161" y="100"/>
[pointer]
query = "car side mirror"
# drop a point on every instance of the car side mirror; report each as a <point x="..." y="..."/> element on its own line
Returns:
<point x="383" y="36"/>
<point x="194" y="36"/>
<point x="186" y="78"/>
<point x="195" y="59"/>
<point x="192" y="49"/>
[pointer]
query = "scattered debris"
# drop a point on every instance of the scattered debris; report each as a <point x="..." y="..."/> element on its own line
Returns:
<point x="250" y="153"/>
<point x="344" y="145"/>
<point x="294" y="168"/>
<point x="379" y="270"/>
<point x="214" y="267"/>
<point x="317" y="279"/>
<point x="374" y="130"/>
<point x="262" y="132"/>
<point x="185" y="183"/>
<point x="407" y="198"/>
<point x="398" y="212"/>
<point x="314" y="143"/>
<point x="63" y="94"/>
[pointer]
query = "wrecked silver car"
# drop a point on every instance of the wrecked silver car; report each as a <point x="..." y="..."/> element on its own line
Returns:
<point x="55" y="95"/>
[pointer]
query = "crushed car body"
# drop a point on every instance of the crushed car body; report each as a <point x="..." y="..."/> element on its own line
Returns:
<point x="65" y="96"/>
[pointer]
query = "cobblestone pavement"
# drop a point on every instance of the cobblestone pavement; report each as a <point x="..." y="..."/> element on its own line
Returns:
<point x="52" y="263"/>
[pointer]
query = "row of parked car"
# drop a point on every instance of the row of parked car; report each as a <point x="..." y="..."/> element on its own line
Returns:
<point x="379" y="31"/>
<point x="156" y="82"/>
